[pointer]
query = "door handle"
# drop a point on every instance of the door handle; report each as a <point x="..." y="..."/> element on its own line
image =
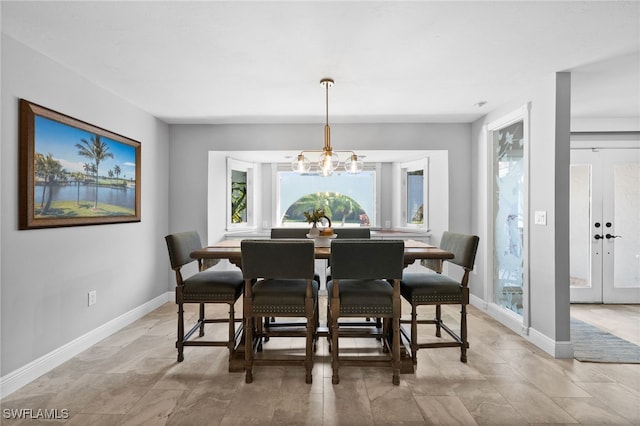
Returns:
<point x="598" y="237"/>
<point x="609" y="236"/>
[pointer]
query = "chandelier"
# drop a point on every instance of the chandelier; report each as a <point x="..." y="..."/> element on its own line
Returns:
<point x="329" y="160"/>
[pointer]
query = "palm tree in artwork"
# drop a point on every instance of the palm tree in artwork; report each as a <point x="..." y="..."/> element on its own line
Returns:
<point x="96" y="150"/>
<point x="49" y="169"/>
<point x="117" y="171"/>
<point x="88" y="169"/>
<point x="77" y="176"/>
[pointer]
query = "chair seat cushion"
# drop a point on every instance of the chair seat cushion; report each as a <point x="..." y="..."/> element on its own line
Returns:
<point x="282" y="296"/>
<point x="364" y="297"/>
<point x="418" y="287"/>
<point x="213" y="285"/>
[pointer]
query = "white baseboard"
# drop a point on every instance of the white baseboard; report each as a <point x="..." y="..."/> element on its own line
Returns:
<point x="26" y="374"/>
<point x="554" y="348"/>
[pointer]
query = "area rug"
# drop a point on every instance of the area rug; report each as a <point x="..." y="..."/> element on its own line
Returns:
<point x="593" y="345"/>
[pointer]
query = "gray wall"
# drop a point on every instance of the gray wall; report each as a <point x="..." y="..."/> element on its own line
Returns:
<point x="190" y="145"/>
<point x="46" y="274"/>
<point x="548" y="191"/>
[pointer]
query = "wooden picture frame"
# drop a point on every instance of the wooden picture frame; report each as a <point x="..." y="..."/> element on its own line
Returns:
<point x="73" y="173"/>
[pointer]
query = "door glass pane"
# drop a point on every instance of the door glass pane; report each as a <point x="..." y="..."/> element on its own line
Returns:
<point x="579" y="230"/>
<point x="626" y="223"/>
<point x="508" y="207"/>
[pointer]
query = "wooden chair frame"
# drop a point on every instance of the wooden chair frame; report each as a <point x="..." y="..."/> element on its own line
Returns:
<point x="370" y="262"/>
<point x="180" y="245"/>
<point x="271" y="261"/>
<point x="464" y="248"/>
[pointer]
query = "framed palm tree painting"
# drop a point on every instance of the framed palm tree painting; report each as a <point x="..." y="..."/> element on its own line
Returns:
<point x="74" y="173"/>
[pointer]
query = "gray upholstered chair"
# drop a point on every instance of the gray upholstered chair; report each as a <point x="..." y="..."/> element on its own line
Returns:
<point x="349" y="233"/>
<point x="356" y="232"/>
<point x="428" y="288"/>
<point x="282" y="271"/>
<point x="360" y="287"/>
<point x="203" y="287"/>
<point x="289" y="233"/>
<point x="295" y="233"/>
<point x="277" y="233"/>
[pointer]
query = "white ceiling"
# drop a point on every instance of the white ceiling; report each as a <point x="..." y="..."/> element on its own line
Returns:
<point x="419" y="61"/>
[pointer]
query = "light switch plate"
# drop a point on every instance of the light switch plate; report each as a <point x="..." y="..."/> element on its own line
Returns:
<point x="540" y="217"/>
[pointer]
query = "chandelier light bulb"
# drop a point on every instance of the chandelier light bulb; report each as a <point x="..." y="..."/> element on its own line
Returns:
<point x="353" y="164"/>
<point x="328" y="163"/>
<point x="301" y="164"/>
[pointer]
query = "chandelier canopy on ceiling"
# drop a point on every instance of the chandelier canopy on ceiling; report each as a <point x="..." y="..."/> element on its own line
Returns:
<point x="329" y="160"/>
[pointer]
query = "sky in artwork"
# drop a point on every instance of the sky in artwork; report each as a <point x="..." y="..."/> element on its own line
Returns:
<point x="58" y="139"/>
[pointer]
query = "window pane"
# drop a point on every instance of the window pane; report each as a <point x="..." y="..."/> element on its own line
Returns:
<point x="580" y="226"/>
<point x="349" y="200"/>
<point x="415" y="197"/>
<point x="626" y="272"/>
<point x="238" y="196"/>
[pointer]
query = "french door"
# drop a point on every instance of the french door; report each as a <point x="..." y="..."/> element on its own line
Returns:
<point x="605" y="226"/>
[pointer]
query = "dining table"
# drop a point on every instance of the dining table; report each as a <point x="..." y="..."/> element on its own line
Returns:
<point x="230" y="250"/>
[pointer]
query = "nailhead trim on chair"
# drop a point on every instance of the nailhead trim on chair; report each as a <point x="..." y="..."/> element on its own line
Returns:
<point x="437" y="298"/>
<point x="205" y="296"/>
<point x="279" y="309"/>
<point x="366" y="310"/>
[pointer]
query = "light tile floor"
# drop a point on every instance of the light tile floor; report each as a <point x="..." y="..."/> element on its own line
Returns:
<point x="132" y="378"/>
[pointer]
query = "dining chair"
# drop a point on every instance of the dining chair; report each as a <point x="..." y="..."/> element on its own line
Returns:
<point x="279" y="282"/>
<point x="360" y="287"/>
<point x="289" y="233"/>
<point x="205" y="286"/>
<point x="431" y="288"/>
<point x="348" y="233"/>
<point x="355" y="232"/>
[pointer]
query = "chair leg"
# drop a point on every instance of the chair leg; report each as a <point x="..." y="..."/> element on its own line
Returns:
<point x="386" y="332"/>
<point x="335" y="379"/>
<point x="180" y="340"/>
<point x="201" y="333"/>
<point x="308" y="358"/>
<point x="463" y="333"/>
<point x="232" y="329"/>
<point x="316" y="321"/>
<point x="438" y="320"/>
<point x="414" y="334"/>
<point x="395" y="350"/>
<point x="267" y="321"/>
<point x="248" y="349"/>
<point x="329" y="323"/>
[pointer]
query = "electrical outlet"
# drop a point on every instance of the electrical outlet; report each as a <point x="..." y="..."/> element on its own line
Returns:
<point x="92" y="298"/>
<point x="387" y="224"/>
<point x="540" y="217"/>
